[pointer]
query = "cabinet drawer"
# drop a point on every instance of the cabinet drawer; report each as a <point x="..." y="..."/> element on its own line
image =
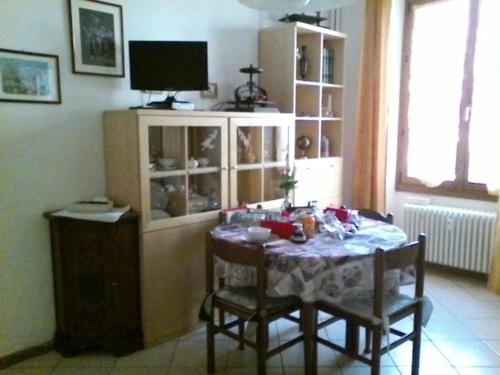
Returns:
<point x="318" y="180"/>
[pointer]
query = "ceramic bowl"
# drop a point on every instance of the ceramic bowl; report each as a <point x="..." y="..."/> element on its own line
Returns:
<point x="167" y="163"/>
<point x="203" y="162"/>
<point x="258" y="233"/>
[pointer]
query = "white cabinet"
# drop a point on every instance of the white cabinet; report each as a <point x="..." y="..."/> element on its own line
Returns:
<point x="150" y="166"/>
<point x="315" y="96"/>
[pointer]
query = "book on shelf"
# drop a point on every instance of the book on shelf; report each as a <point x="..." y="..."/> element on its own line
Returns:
<point x="328" y="65"/>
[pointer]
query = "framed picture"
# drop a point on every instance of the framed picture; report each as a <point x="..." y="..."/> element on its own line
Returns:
<point x="97" y="38"/>
<point x="29" y="77"/>
<point x="211" y="92"/>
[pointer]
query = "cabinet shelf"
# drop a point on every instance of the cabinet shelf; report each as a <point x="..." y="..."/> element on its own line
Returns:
<point x="332" y="85"/>
<point x="319" y="84"/>
<point x="182" y="172"/>
<point x="307" y="83"/>
<point x="307" y="118"/>
<point x="203" y="170"/>
<point x="331" y="118"/>
<point x="171" y="173"/>
<point x="267" y="164"/>
<point x="248" y="167"/>
<point x="274" y="164"/>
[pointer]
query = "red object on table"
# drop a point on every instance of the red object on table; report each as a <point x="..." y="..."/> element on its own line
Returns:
<point x="341" y="213"/>
<point x="284" y="230"/>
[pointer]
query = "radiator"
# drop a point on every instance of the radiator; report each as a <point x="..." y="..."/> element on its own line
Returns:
<point x="456" y="237"/>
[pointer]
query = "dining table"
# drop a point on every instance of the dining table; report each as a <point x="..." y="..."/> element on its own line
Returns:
<point x="325" y="267"/>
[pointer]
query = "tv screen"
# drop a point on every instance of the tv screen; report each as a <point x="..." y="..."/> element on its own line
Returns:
<point x="168" y="65"/>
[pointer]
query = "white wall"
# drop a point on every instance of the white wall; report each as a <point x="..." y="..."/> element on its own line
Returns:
<point x="52" y="155"/>
<point x="352" y="18"/>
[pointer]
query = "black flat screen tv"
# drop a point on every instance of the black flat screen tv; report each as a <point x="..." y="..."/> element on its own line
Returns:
<point x="168" y="65"/>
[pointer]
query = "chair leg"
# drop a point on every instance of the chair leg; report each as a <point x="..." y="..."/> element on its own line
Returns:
<point x="417" y="328"/>
<point x="222" y="318"/>
<point x="368" y="341"/>
<point x="261" y="346"/>
<point x="210" y="348"/>
<point x="314" y="336"/>
<point x="241" y="333"/>
<point x="376" y="350"/>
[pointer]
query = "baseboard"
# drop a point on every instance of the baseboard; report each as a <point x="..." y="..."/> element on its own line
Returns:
<point x="28" y="353"/>
<point x="457" y="271"/>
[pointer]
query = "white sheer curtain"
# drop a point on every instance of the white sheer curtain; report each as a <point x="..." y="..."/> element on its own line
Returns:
<point x="484" y="138"/>
<point x="435" y="88"/>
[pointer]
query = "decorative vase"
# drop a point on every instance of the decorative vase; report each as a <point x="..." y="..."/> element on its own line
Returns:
<point x="286" y="201"/>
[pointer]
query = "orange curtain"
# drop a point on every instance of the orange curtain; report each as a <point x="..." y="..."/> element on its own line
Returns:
<point x="371" y="129"/>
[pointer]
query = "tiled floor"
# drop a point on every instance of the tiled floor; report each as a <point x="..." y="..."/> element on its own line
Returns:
<point x="462" y="337"/>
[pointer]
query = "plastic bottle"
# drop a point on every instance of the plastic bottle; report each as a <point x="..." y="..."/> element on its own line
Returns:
<point x="309" y="226"/>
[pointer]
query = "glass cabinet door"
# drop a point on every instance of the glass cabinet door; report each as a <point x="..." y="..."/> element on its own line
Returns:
<point x="185" y="164"/>
<point x="259" y="159"/>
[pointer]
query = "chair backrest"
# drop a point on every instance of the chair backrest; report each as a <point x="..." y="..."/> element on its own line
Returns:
<point x="242" y="254"/>
<point x="412" y="254"/>
<point x="375" y="215"/>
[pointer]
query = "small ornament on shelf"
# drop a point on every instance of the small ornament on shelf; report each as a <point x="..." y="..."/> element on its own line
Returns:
<point x="192" y="163"/>
<point x="303" y="143"/>
<point x="303" y="64"/>
<point x="327" y="110"/>
<point x="208" y="142"/>
<point x="246" y="142"/>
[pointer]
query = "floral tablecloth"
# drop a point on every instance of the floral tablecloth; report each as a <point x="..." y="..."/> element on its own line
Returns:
<point x="322" y="268"/>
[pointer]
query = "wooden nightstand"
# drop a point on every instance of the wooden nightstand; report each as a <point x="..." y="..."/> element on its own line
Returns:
<point x="97" y="284"/>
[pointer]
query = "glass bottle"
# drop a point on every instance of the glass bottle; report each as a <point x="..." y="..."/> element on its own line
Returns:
<point x="303" y="64"/>
<point x="325" y="147"/>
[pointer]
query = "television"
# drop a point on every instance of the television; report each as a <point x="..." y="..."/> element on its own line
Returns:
<point x="168" y="66"/>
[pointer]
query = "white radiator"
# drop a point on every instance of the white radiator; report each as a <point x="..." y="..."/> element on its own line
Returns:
<point x="456" y="237"/>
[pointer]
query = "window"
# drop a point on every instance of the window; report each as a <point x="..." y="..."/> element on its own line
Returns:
<point x="450" y="98"/>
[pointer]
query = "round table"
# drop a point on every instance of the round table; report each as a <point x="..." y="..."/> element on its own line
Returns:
<point x="322" y="268"/>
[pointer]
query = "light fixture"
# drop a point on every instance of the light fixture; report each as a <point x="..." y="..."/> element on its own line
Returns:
<point x="295" y="5"/>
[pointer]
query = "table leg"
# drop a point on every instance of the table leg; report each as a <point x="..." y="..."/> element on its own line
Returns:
<point x="352" y="337"/>
<point x="309" y="322"/>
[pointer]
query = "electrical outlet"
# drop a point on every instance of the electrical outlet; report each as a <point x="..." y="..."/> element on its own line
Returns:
<point x="211" y="93"/>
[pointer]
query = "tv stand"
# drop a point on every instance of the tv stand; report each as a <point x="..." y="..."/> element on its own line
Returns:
<point x="171" y="103"/>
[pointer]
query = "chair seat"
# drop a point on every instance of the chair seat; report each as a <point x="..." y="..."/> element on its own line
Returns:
<point x="247" y="298"/>
<point x="364" y="308"/>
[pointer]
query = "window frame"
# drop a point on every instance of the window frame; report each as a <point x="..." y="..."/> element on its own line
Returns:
<point x="460" y="187"/>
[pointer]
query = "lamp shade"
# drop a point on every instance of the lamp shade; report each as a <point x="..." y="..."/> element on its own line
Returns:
<point x="295" y="5"/>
